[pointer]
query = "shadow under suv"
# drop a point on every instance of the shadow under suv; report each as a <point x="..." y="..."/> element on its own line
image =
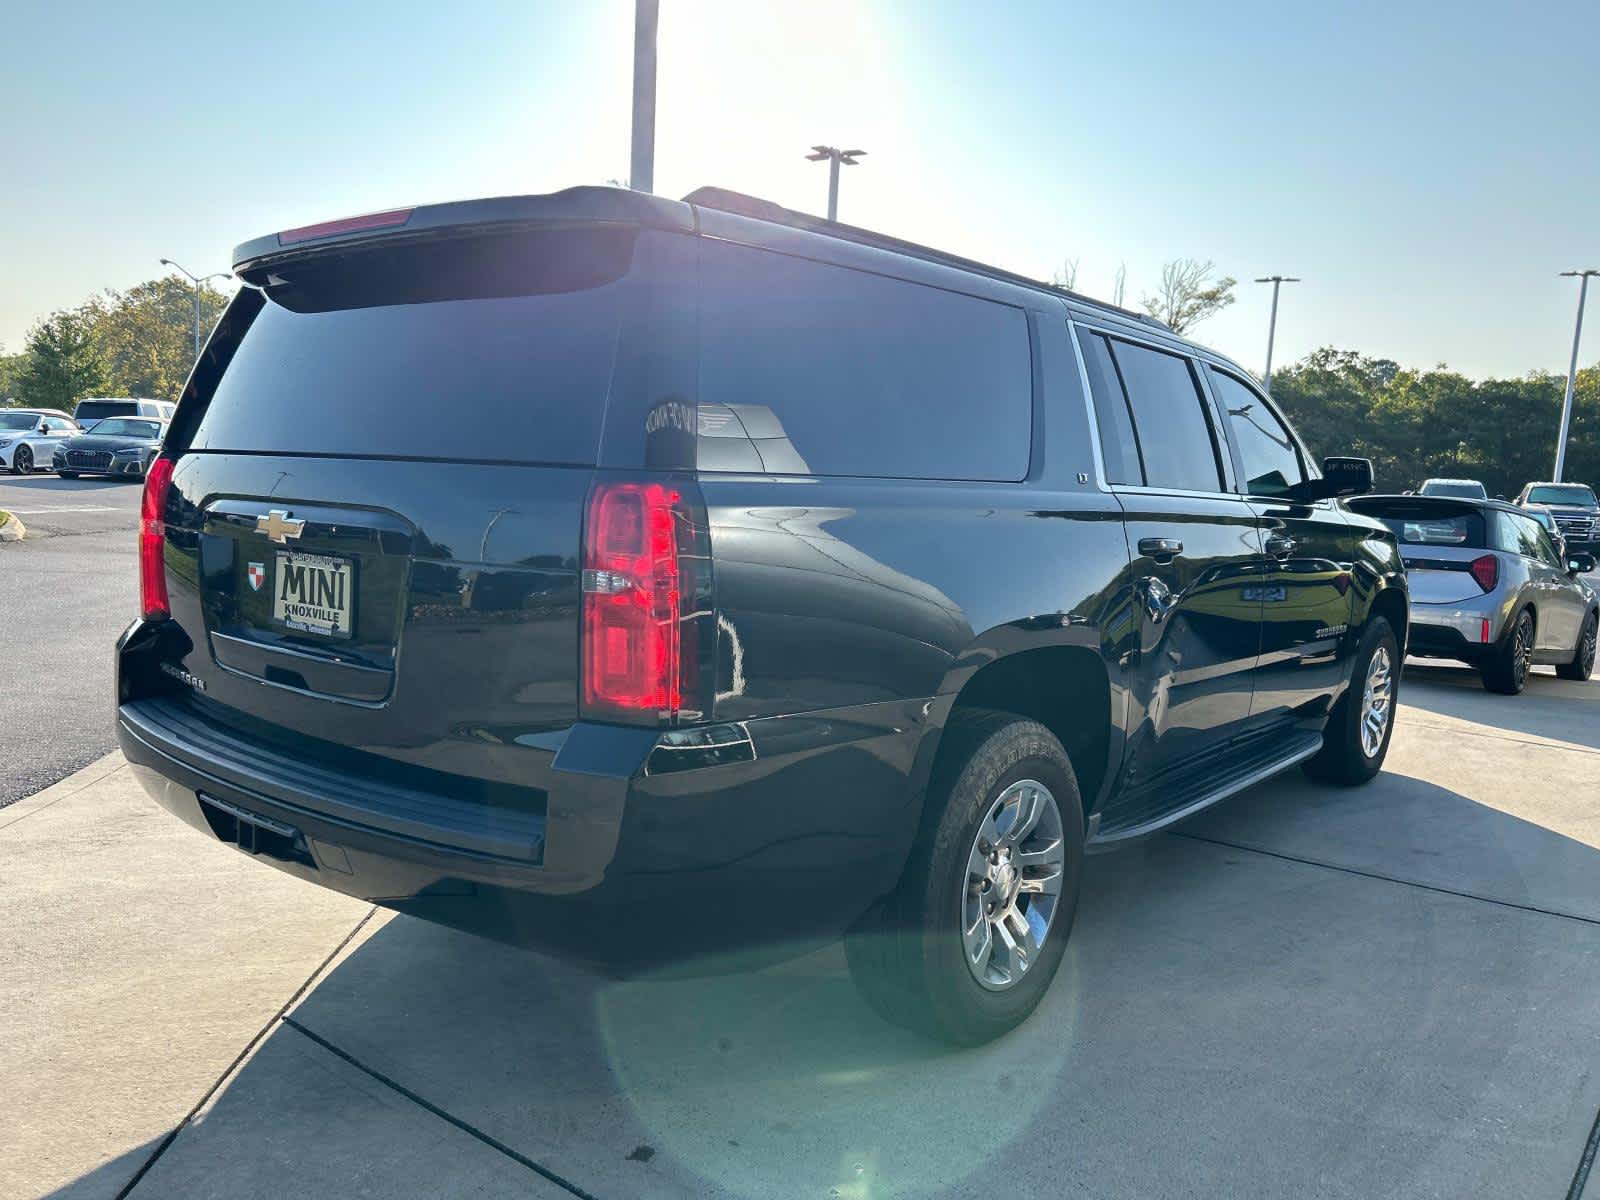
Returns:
<point x="636" y="578"/>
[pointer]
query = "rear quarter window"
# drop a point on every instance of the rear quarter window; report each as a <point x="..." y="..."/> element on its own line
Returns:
<point x="812" y="369"/>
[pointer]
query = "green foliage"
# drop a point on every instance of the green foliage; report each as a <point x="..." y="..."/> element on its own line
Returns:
<point x="134" y="343"/>
<point x="64" y="363"/>
<point x="1416" y="424"/>
<point x="147" y="335"/>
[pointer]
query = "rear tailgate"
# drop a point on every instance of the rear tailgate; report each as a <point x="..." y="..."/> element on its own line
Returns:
<point x="375" y="530"/>
<point x="1440" y="537"/>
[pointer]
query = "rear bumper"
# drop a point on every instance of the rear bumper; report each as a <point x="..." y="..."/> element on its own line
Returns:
<point x="1444" y="631"/>
<point x="618" y="865"/>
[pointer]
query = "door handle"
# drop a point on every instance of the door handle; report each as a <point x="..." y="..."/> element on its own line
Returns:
<point x="1280" y="545"/>
<point x="1160" y="547"/>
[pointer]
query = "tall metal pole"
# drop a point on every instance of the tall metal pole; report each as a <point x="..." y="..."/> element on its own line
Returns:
<point x="642" y="165"/>
<point x="835" y="158"/>
<point x="833" y="187"/>
<point x="198" y="284"/>
<point x="1572" y="371"/>
<point x="1272" y="324"/>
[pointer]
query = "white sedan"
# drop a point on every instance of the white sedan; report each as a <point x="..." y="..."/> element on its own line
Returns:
<point x="29" y="437"/>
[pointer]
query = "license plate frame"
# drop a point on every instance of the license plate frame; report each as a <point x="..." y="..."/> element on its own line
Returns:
<point x="326" y="600"/>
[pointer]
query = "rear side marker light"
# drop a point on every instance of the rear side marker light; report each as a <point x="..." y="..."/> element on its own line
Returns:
<point x="632" y="602"/>
<point x="377" y="220"/>
<point x="1483" y="634"/>
<point x="1486" y="570"/>
<point x="153" y="601"/>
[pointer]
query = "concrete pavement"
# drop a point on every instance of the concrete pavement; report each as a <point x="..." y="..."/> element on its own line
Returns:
<point x="1385" y="992"/>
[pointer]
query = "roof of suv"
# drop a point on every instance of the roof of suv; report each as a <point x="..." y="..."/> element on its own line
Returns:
<point x="253" y="260"/>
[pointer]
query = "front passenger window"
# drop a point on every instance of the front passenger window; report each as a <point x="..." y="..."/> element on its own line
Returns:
<point x="1267" y="452"/>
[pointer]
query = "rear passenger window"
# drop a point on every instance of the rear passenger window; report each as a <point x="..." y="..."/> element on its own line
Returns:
<point x="1118" y="446"/>
<point x="1267" y="453"/>
<point x="1174" y="435"/>
<point x="812" y="369"/>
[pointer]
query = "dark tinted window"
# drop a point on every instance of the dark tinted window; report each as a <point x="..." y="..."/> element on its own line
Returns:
<point x="1561" y="493"/>
<point x="1174" y="435"/>
<point x="93" y="410"/>
<point x="814" y="369"/>
<point x="1466" y="490"/>
<point x="1428" y="524"/>
<point x="486" y="348"/>
<point x="1117" y="444"/>
<point x="1266" y="451"/>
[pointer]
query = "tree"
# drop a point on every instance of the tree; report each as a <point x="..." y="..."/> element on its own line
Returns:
<point x="10" y="373"/>
<point x="1188" y="295"/>
<point x="1067" y="275"/>
<point x="63" y="362"/>
<point x="147" y="335"/>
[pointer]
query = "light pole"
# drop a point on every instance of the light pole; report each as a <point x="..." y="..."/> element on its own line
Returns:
<point x="642" y="163"/>
<point x="834" y="157"/>
<point x="1572" y="370"/>
<point x="1276" y="281"/>
<point x="198" y="284"/>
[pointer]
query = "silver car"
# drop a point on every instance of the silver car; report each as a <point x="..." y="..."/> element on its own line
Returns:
<point x="29" y="437"/>
<point x="1490" y="588"/>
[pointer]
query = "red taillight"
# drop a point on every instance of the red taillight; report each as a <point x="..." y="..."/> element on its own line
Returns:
<point x="1486" y="570"/>
<point x="377" y="220"/>
<point x="152" y="540"/>
<point x="632" y="644"/>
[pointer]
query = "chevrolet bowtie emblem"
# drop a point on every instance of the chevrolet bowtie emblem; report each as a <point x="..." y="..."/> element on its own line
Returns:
<point x="278" y="527"/>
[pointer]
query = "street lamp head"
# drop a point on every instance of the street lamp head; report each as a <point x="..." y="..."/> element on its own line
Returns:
<point x="167" y="262"/>
<point x="822" y="152"/>
<point x="1589" y="271"/>
<point x="1279" y="279"/>
<point x="847" y="155"/>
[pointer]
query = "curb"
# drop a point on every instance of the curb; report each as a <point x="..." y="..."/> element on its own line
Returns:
<point x="83" y="777"/>
<point x="13" y="530"/>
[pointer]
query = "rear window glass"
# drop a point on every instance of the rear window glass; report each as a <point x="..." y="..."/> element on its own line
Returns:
<point x="1174" y="435"/>
<point x="1467" y="491"/>
<point x="93" y="410"/>
<point x="812" y="369"/>
<point x="1416" y="525"/>
<point x="492" y="348"/>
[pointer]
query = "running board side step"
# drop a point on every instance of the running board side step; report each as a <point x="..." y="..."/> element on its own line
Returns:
<point x="1231" y="783"/>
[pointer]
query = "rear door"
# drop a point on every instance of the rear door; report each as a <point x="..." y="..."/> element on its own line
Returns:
<point x="382" y="494"/>
<point x="1309" y="548"/>
<point x="1197" y="558"/>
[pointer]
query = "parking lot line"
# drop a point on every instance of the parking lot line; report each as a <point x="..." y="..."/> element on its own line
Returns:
<point x="39" y="512"/>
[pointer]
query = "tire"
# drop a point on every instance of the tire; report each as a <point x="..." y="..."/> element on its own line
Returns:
<point x="22" y="461"/>
<point x="909" y="954"/>
<point x="1506" y="670"/>
<point x="1348" y="758"/>
<point x="1582" y="664"/>
<point x="66" y="474"/>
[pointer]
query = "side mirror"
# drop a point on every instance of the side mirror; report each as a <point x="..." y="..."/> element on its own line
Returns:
<point x="1580" y="563"/>
<point x="1340" y="477"/>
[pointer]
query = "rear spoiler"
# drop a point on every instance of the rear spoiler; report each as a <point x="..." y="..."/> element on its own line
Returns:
<point x="578" y="204"/>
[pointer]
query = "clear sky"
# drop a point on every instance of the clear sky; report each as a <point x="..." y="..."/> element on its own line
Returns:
<point x="1428" y="168"/>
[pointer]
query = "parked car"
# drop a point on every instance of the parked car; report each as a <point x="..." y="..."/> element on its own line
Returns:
<point x="122" y="447"/>
<point x="97" y="408"/>
<point x="1490" y="588"/>
<point x="1469" y="489"/>
<point x="29" y="436"/>
<point x="1575" y="509"/>
<point x="772" y="579"/>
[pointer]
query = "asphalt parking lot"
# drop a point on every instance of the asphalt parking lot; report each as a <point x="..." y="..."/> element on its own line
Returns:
<point x="1385" y="992"/>
<point x="66" y="592"/>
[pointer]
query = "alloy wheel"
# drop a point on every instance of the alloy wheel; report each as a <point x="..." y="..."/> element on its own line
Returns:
<point x="1377" y="701"/>
<point x="1521" y="645"/>
<point x="1013" y="884"/>
<point x="22" y="461"/>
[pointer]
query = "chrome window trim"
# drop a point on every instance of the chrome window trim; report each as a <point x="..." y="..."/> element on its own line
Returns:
<point x="1088" y="404"/>
<point x="1203" y="390"/>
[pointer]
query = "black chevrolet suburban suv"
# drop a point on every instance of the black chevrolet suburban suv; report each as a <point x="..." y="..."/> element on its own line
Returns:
<point x="641" y="579"/>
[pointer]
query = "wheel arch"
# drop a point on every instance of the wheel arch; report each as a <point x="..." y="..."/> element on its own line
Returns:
<point x="1067" y="689"/>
